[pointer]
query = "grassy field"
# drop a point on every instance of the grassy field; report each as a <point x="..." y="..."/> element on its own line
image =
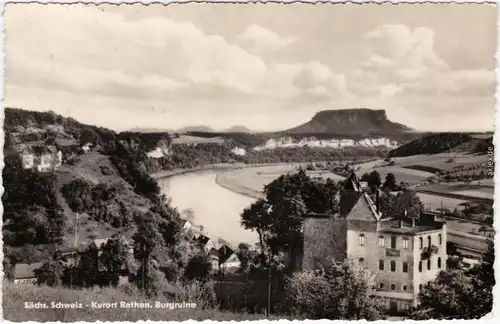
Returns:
<point x="188" y="139"/>
<point x="433" y="202"/>
<point x="470" y="190"/>
<point x="15" y="296"/>
<point x="255" y="178"/>
<point x="441" y="161"/>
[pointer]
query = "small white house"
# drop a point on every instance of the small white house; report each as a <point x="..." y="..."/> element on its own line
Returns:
<point x="231" y="263"/>
<point x="24" y="273"/>
<point x="186" y="226"/>
<point x="87" y="147"/>
<point x="228" y="260"/>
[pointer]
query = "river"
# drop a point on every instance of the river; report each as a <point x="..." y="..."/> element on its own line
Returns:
<point x="215" y="208"/>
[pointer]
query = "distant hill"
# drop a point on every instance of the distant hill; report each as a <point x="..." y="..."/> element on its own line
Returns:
<point x="434" y="144"/>
<point x="238" y="129"/>
<point x="151" y="130"/>
<point x="350" y="122"/>
<point x="197" y="128"/>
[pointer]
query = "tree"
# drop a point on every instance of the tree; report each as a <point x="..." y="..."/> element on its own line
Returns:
<point x="113" y="260"/>
<point x="374" y="180"/>
<point x="89" y="136"/>
<point x="146" y="239"/>
<point x="390" y="181"/>
<point x="256" y="217"/>
<point x="198" y="268"/>
<point x="406" y="202"/>
<point x="50" y="273"/>
<point x="278" y="217"/>
<point x="244" y="255"/>
<point x="343" y="291"/>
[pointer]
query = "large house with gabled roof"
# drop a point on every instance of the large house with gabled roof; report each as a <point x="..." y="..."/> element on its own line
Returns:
<point x="403" y="253"/>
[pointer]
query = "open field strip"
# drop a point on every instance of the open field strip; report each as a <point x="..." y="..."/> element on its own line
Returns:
<point x="475" y="193"/>
<point x="433" y="202"/>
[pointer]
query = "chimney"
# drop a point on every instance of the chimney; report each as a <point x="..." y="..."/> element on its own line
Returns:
<point x="401" y="224"/>
<point x="377" y="201"/>
<point x="413" y="222"/>
<point x="405" y="214"/>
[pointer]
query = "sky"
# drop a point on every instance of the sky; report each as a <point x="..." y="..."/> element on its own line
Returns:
<point x="264" y="66"/>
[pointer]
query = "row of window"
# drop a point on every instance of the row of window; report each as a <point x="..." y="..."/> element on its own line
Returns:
<point x="393" y="287"/>
<point x="429" y="241"/>
<point x="429" y="264"/>
<point x="381" y="266"/>
<point x="404" y="267"/>
<point x="406" y="242"/>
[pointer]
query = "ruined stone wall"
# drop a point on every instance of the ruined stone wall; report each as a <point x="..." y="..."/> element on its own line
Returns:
<point x="324" y="241"/>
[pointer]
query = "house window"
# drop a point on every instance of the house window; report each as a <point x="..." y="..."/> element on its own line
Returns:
<point x="405" y="306"/>
<point x="393" y="242"/>
<point x="393" y="287"/>
<point x="439" y="263"/>
<point x="405" y="266"/>
<point x="420" y="266"/>
<point x="429" y="241"/>
<point x="404" y="288"/>
<point x="381" y="264"/>
<point x="406" y="243"/>
<point x="361" y="239"/>
<point x="381" y="241"/>
<point x="440" y="239"/>
<point x="420" y="287"/>
<point x="361" y="261"/>
<point x="393" y="266"/>
<point x="381" y="286"/>
<point x="421" y="243"/>
<point x="429" y="264"/>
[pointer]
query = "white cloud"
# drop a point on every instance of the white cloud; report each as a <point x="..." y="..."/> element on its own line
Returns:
<point x="80" y="56"/>
<point x="259" y="40"/>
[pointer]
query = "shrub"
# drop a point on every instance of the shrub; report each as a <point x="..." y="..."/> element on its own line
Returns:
<point x="343" y="291"/>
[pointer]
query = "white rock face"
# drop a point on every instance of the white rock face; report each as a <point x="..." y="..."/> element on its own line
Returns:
<point x="239" y="151"/>
<point x="288" y="142"/>
<point x="159" y="152"/>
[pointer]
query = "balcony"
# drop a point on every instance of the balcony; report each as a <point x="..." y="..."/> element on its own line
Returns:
<point x="392" y="252"/>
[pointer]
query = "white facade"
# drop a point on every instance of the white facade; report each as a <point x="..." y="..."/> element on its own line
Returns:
<point x="25" y="281"/>
<point x="231" y="262"/>
<point x="28" y="160"/>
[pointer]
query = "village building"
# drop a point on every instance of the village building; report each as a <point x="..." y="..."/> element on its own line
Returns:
<point x="24" y="273"/>
<point x="214" y="256"/>
<point x="186" y="225"/>
<point x="42" y="158"/>
<point x="87" y="147"/>
<point x="228" y="261"/>
<point x="205" y="242"/>
<point x="404" y="254"/>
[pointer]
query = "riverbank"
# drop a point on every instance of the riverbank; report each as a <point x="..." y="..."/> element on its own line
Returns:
<point x="211" y="167"/>
<point x="222" y="180"/>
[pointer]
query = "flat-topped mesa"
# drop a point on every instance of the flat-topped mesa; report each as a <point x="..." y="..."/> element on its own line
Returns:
<point x="350" y="121"/>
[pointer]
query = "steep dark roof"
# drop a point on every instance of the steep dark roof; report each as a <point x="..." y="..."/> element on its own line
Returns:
<point x="202" y="239"/>
<point x="364" y="209"/>
<point x="26" y="270"/>
<point x="215" y="253"/>
<point x="44" y="149"/>
<point x="225" y="252"/>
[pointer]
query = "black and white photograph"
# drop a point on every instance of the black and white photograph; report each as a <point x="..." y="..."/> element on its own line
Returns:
<point x="248" y="161"/>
